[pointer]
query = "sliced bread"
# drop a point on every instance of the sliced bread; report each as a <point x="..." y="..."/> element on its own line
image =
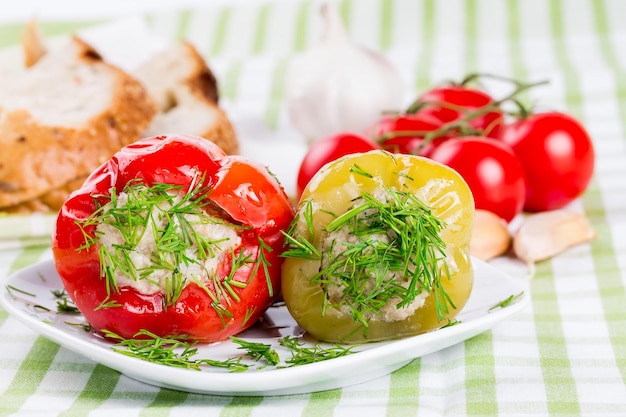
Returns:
<point x="186" y="92"/>
<point x="64" y="116"/>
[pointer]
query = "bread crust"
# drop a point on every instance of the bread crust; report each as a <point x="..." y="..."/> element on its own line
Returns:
<point x="201" y="80"/>
<point x="203" y="84"/>
<point x="48" y="202"/>
<point x="37" y="158"/>
<point x="40" y="165"/>
<point x="197" y="87"/>
<point x="222" y="133"/>
<point x="32" y="44"/>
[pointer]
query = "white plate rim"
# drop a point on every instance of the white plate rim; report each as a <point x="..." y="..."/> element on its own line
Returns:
<point x="381" y="358"/>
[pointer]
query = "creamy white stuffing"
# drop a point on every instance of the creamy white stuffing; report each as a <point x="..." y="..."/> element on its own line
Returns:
<point x="225" y="239"/>
<point x="334" y="247"/>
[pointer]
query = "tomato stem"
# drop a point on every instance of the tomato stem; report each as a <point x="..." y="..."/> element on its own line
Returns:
<point x="475" y="76"/>
<point x="523" y="112"/>
<point x="461" y="124"/>
<point x="472" y="114"/>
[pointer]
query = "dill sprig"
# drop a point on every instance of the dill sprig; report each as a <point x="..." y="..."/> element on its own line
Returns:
<point x="232" y="364"/>
<point x="170" y="214"/>
<point x="168" y="351"/>
<point x="64" y="304"/>
<point x="178" y="353"/>
<point x="67" y="307"/>
<point x="297" y="244"/>
<point x="86" y="327"/>
<point x="303" y="355"/>
<point x="451" y="323"/>
<point x="155" y="349"/>
<point x="511" y="299"/>
<point x="396" y="251"/>
<point x="11" y="289"/>
<point x="263" y="262"/>
<point x="258" y="351"/>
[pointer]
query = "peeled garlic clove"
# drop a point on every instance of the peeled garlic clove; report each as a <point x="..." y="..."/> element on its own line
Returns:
<point x="546" y="234"/>
<point x="339" y="86"/>
<point x="491" y="236"/>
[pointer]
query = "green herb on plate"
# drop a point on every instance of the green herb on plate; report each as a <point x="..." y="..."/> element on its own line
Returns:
<point x="303" y="355"/>
<point x="511" y="299"/>
<point x="258" y="351"/>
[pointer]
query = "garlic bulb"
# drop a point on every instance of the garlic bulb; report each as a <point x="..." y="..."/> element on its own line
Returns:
<point x="339" y="86"/>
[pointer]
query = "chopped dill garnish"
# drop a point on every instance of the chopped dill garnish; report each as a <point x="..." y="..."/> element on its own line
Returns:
<point x="11" y="289"/>
<point x="168" y="352"/>
<point x="250" y="310"/>
<point x="258" y="351"/>
<point x="67" y="307"/>
<point x="155" y="349"/>
<point x="378" y="251"/>
<point x="84" y="326"/>
<point x="64" y="304"/>
<point x="298" y="245"/>
<point x="178" y="353"/>
<point x="108" y="303"/>
<point x="451" y="323"/>
<point x="511" y="299"/>
<point x="303" y="355"/>
<point x="232" y="364"/>
<point x="168" y="216"/>
<point x="355" y="169"/>
<point x="59" y="293"/>
<point x="263" y="262"/>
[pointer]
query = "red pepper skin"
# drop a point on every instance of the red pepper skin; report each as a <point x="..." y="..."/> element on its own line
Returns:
<point x="244" y="190"/>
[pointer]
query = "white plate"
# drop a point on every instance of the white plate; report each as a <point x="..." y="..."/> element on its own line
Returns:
<point x="35" y="305"/>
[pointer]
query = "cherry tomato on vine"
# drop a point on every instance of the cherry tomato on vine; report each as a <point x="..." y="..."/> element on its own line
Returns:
<point x="404" y="133"/>
<point x="558" y="158"/>
<point x="450" y="103"/>
<point x="492" y="171"/>
<point x="327" y="150"/>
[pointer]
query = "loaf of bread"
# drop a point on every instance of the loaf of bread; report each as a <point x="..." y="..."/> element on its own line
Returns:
<point x="64" y="116"/>
<point x="186" y="92"/>
<point x="70" y="110"/>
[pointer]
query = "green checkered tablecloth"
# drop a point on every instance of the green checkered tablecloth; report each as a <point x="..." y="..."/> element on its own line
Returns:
<point x="564" y="355"/>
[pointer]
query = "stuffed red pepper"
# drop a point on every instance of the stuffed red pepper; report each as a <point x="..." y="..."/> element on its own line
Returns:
<point x="173" y="236"/>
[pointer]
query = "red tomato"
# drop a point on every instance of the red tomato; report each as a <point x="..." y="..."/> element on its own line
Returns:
<point x="405" y="133"/>
<point x="449" y="103"/>
<point x="327" y="150"/>
<point x="224" y="291"/>
<point x="491" y="170"/>
<point x="558" y="158"/>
